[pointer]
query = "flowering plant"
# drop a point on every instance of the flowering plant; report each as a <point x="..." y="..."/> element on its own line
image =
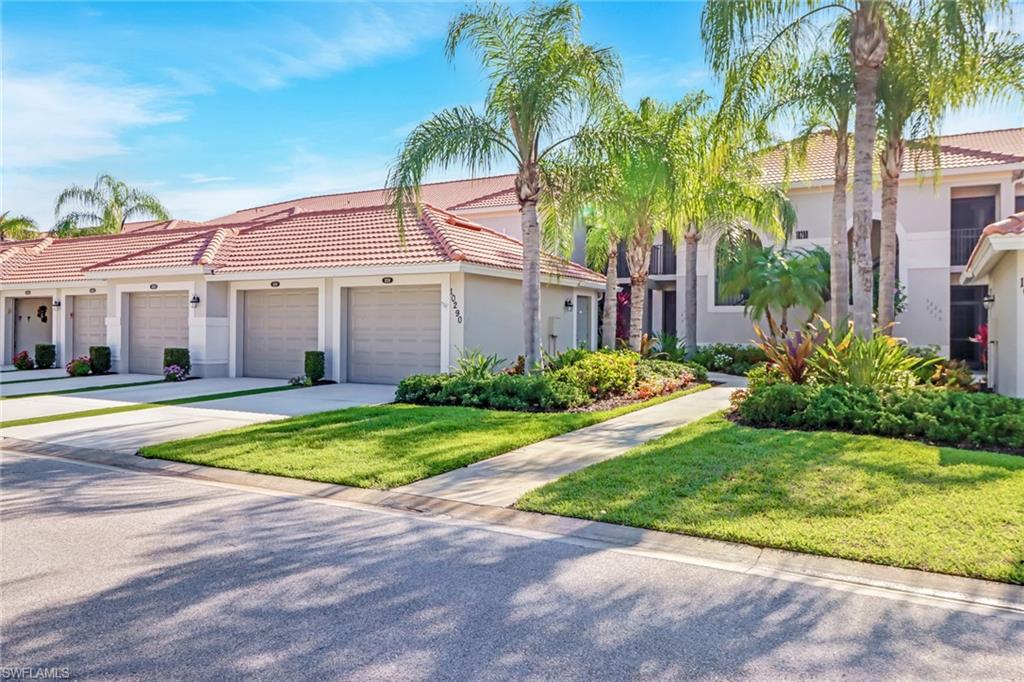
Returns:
<point x="78" y="367"/>
<point x="22" y="360"/>
<point x="981" y="338"/>
<point x="175" y="373"/>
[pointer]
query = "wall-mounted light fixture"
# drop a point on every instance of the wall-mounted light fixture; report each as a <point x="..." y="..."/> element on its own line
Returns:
<point x="988" y="301"/>
<point x="194" y="301"/>
<point x="568" y="304"/>
<point x="56" y="303"/>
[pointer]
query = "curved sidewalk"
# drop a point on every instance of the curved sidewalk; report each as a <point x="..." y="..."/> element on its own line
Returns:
<point x="500" y="481"/>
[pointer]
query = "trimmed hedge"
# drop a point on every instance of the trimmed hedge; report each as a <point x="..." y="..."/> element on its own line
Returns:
<point x="46" y="355"/>
<point x="179" y="357"/>
<point x="942" y="416"/>
<point x="521" y="392"/>
<point x="603" y="374"/>
<point x="99" y="359"/>
<point x="314" y="365"/>
<point x="730" y="358"/>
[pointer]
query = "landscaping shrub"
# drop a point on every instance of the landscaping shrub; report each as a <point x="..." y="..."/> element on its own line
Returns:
<point x="729" y="358"/>
<point x="22" y="360"/>
<point x="565" y="359"/>
<point x="46" y="355"/>
<point x="942" y="416"/>
<point x="521" y="392"/>
<point x="846" y="358"/>
<point x="178" y="357"/>
<point x="603" y="374"/>
<point x="78" y="367"/>
<point x="314" y="364"/>
<point x="99" y="359"/>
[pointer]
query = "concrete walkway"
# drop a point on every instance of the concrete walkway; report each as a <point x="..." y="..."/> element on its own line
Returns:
<point x="502" y="480"/>
<point x="9" y="374"/>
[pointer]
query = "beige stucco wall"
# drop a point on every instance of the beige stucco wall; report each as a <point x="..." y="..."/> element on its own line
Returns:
<point x="923" y="225"/>
<point x="494" y="319"/>
<point x="1006" y="325"/>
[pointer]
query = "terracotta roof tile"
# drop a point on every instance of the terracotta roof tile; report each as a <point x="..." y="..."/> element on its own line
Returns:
<point x="956" y="151"/>
<point x="446" y="195"/>
<point x="347" y="238"/>
<point x="148" y="225"/>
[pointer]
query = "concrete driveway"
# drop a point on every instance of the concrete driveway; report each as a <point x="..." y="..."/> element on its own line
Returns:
<point x="126" y="432"/>
<point x="67" y="383"/>
<point x="9" y="374"/>
<point x="124" y="576"/>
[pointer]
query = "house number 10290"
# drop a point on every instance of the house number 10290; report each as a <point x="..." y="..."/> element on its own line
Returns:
<point x="455" y="306"/>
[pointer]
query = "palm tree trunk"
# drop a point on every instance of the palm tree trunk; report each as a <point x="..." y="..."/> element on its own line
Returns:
<point x="611" y="302"/>
<point x="531" y="283"/>
<point x="638" y="258"/>
<point x="840" y="261"/>
<point x="892" y="166"/>
<point x="638" y="303"/>
<point x="868" y="46"/>
<point x="690" y="293"/>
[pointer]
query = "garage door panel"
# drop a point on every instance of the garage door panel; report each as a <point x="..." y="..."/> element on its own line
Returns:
<point x="157" y="320"/>
<point x="89" y="323"/>
<point x="278" y="328"/>
<point x="393" y="333"/>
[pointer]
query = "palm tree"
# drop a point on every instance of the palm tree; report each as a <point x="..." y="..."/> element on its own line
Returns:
<point x="819" y="92"/>
<point x="932" y="69"/>
<point x="603" y="238"/>
<point x="541" y="77"/>
<point x="734" y="33"/>
<point x="17" y="227"/>
<point x="720" y="194"/>
<point x="779" y="279"/>
<point x="105" y="207"/>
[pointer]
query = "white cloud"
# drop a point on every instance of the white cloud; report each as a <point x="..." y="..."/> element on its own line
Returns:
<point x="202" y="179"/>
<point x="72" y="115"/>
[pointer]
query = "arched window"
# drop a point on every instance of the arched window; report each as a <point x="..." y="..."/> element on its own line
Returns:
<point x="727" y="252"/>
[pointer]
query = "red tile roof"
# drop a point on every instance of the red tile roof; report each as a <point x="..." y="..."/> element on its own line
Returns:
<point x="447" y="195"/>
<point x="1012" y="224"/>
<point x="149" y="225"/>
<point x="987" y="148"/>
<point x="335" y="239"/>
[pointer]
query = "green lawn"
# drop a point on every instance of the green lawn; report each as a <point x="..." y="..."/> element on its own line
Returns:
<point x="378" y="447"/>
<point x="873" y="499"/>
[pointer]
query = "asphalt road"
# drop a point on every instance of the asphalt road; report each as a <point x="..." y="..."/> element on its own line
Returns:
<point x="124" y="576"/>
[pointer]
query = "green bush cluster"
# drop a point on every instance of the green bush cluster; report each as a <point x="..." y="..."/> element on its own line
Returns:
<point x="99" y="359"/>
<point x="520" y="392"/>
<point x="46" y="355"/>
<point x="601" y="375"/>
<point x="572" y="379"/>
<point x="730" y="358"/>
<point x="938" y="415"/>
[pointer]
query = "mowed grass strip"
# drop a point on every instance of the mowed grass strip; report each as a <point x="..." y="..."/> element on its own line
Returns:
<point x="72" y="391"/>
<point x="141" y="406"/>
<point x="382" y="446"/>
<point x="867" y="498"/>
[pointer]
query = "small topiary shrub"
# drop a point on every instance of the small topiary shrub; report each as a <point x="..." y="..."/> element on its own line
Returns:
<point x="46" y="355"/>
<point x="179" y="358"/>
<point x="78" y="367"/>
<point x="314" y="365"/>
<point x="22" y="360"/>
<point x="99" y="359"/>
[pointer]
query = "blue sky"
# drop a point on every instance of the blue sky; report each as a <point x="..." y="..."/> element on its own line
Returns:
<point x="216" y="107"/>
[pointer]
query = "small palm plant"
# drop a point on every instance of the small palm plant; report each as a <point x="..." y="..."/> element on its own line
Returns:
<point x="104" y="208"/>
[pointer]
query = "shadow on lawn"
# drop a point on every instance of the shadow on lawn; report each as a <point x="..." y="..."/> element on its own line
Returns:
<point x="223" y="583"/>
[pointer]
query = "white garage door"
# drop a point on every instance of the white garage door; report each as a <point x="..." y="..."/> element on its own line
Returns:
<point x="278" y="328"/>
<point x="156" y="321"/>
<point x="89" y="323"/>
<point x="393" y="332"/>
